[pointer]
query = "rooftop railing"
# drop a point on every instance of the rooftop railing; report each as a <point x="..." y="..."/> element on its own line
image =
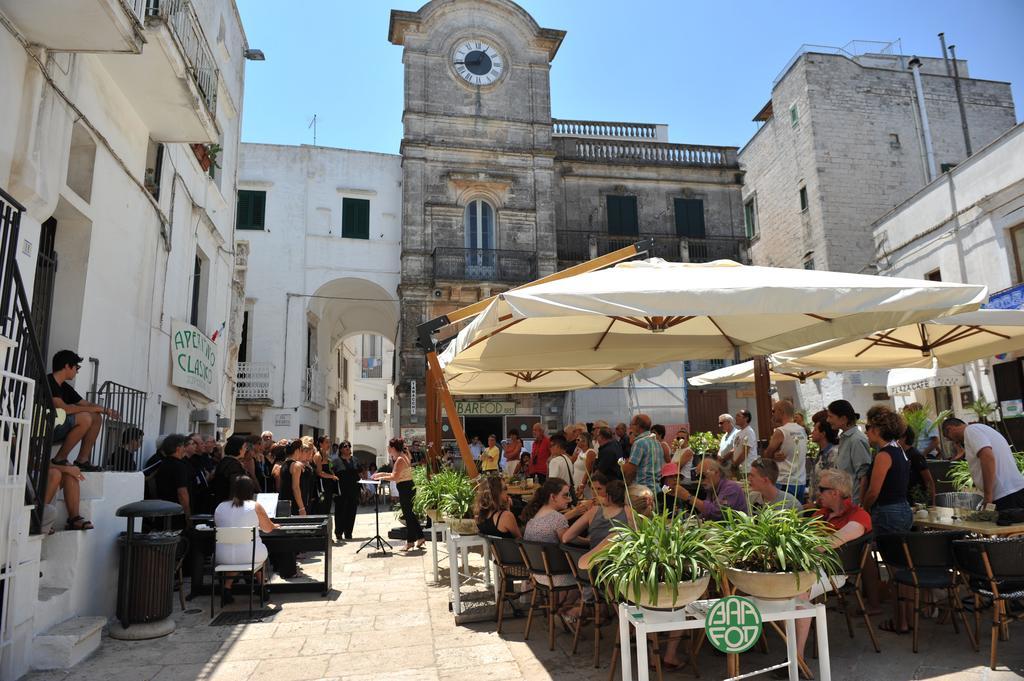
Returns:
<point x="610" y="129"/>
<point x="659" y="153"/>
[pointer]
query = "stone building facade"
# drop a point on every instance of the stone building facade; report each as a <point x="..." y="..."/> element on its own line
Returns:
<point x="841" y="144"/>
<point x="496" y="192"/>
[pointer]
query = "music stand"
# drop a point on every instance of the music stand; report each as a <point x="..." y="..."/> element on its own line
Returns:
<point x="376" y="540"/>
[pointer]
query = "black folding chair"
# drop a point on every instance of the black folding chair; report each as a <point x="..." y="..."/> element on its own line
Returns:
<point x="994" y="571"/>
<point x="924" y="560"/>
<point x="854" y="556"/>
<point x="511" y="569"/>
<point x="546" y="562"/>
<point x="586" y="584"/>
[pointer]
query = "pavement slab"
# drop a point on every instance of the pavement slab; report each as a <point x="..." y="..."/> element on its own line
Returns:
<point x="386" y="621"/>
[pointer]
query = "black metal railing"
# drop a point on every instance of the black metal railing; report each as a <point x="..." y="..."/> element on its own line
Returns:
<point x="23" y="370"/>
<point x="574" y="247"/>
<point x="119" y="440"/>
<point x="479" y="264"/>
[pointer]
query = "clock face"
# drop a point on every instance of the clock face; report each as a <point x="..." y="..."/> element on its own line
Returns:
<point x="477" y="63"/>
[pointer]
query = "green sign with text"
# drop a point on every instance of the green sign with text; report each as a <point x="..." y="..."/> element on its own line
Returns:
<point x="733" y="624"/>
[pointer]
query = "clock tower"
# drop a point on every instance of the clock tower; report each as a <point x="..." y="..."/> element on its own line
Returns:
<point x="478" y="213"/>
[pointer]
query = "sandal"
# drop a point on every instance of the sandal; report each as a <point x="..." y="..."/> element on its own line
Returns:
<point x="78" y="523"/>
<point x="59" y="462"/>
<point x="890" y="626"/>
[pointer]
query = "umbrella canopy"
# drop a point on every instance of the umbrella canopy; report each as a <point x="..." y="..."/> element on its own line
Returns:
<point x="514" y="382"/>
<point x="940" y="342"/>
<point x="744" y="373"/>
<point x="650" y="312"/>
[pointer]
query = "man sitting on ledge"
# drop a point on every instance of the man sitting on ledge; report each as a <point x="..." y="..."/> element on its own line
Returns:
<point x="82" y="418"/>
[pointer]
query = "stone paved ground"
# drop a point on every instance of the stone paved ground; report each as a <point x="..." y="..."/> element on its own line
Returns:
<point x="388" y="623"/>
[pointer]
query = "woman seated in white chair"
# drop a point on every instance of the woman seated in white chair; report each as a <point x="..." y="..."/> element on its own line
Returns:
<point x="241" y="511"/>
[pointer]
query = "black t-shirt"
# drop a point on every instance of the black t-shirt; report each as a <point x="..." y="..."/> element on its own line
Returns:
<point x="64" y="391"/>
<point x="625" y="445"/>
<point x="172" y="475"/>
<point x="227" y="470"/>
<point x="917" y="464"/>
<point x="608" y="456"/>
<point x="897" y="478"/>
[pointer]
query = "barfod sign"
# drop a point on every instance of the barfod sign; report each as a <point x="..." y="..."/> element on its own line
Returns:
<point x="193" y="360"/>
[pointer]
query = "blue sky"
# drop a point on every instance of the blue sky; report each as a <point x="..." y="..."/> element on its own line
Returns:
<point x="705" y="68"/>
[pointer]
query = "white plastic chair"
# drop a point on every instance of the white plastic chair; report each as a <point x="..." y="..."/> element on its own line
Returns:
<point x="233" y="536"/>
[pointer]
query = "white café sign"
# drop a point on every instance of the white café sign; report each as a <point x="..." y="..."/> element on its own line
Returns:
<point x="193" y="360"/>
<point x="486" y="408"/>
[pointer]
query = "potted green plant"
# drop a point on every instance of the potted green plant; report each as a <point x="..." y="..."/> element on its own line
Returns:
<point x="959" y="473"/>
<point x="662" y="564"/>
<point x="776" y="552"/>
<point x="426" y="501"/>
<point x="456" y="494"/>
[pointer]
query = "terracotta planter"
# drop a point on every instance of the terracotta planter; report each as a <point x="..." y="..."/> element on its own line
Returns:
<point x="461" y="525"/>
<point x="202" y="155"/>
<point x="771" y="585"/>
<point x="687" y="593"/>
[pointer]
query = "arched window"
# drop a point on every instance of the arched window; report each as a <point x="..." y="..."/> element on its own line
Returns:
<point x="479" y="226"/>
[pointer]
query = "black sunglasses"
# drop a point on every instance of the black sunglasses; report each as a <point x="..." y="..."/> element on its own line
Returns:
<point x="825" y="489"/>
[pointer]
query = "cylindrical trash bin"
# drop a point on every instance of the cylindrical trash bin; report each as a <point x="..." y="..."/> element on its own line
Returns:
<point x="145" y="584"/>
<point x="148" y="583"/>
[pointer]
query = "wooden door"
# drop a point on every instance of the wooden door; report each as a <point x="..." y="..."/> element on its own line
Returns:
<point x="704" y="407"/>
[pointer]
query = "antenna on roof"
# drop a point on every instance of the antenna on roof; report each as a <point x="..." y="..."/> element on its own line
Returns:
<point x="312" y="124"/>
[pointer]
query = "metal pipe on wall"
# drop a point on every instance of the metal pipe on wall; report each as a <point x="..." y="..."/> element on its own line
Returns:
<point x="960" y="102"/>
<point x="945" y="57"/>
<point x="915" y="68"/>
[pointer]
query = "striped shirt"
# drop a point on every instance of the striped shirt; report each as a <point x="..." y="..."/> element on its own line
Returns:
<point x="646" y="455"/>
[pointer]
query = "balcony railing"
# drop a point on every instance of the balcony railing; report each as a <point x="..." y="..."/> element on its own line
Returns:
<point x="117" y="446"/>
<point x="372" y="367"/>
<point x="475" y="264"/>
<point x="181" y="19"/>
<point x="253" y="381"/>
<point x="609" y="129"/>
<point x="313" y="388"/>
<point x="581" y="246"/>
<point x="640" y="152"/>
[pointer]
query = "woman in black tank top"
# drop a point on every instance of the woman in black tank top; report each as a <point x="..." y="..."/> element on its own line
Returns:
<point x="493" y="516"/>
<point x="886" y="494"/>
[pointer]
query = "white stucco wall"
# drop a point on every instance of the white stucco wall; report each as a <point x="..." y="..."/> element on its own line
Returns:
<point x="301" y="270"/>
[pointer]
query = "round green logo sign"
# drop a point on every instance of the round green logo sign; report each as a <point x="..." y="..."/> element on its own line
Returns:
<point x="733" y="624"/>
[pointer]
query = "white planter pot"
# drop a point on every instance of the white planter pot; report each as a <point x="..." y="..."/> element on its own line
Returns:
<point x="772" y="585"/>
<point x="461" y="525"/>
<point x="433" y="514"/>
<point x="687" y="592"/>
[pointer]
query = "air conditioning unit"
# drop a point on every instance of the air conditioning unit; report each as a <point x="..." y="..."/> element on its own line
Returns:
<point x="200" y="415"/>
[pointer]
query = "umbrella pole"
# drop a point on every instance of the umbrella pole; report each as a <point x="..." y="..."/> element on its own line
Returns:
<point x="763" y="398"/>
<point x="439" y="390"/>
<point x="433" y="428"/>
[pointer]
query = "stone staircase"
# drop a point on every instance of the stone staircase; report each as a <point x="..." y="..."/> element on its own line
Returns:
<point x="77" y="586"/>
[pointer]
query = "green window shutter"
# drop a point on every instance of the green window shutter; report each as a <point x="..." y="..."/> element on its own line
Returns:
<point x="690" y="218"/>
<point x="622" y="218"/>
<point x="355" y="218"/>
<point x="251" y="209"/>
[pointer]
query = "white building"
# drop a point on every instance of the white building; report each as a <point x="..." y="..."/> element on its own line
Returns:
<point x="366" y="396"/>
<point x="322" y="230"/>
<point x="108" y="107"/>
<point x="967" y="226"/>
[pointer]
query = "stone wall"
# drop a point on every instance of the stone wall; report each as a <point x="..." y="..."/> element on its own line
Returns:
<point x="857" y="147"/>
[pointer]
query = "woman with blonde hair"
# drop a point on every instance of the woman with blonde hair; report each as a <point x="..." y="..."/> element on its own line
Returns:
<point x="493" y="517"/>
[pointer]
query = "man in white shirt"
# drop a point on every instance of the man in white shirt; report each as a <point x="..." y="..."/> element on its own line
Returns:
<point x="991" y="460"/>
<point x="788" y="448"/>
<point x="744" y="445"/>
<point x="728" y="426"/>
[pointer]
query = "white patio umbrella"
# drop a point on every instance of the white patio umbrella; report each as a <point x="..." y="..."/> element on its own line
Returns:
<point x="943" y="342"/>
<point x="651" y="312"/>
<point x="515" y="382"/>
<point x="744" y="373"/>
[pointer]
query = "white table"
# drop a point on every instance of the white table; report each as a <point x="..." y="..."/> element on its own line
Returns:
<point x="458" y="546"/>
<point x="438" y="534"/>
<point x="692" y="617"/>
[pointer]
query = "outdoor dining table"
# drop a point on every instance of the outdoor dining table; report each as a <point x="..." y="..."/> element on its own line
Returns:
<point x="694" y="616"/>
<point x="984" y="528"/>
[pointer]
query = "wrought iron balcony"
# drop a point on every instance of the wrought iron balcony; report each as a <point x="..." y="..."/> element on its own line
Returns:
<point x="253" y="381"/>
<point x="574" y="247"/>
<point x="372" y="367"/>
<point x="476" y="264"/>
<point x="184" y="24"/>
<point x="314" y="389"/>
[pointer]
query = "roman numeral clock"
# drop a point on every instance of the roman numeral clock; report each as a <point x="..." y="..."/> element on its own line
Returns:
<point x="477" y="62"/>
